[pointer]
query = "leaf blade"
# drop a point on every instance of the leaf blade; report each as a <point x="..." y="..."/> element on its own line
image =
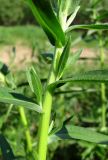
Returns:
<point x="11" y="97"/>
<point x="81" y="133"/>
<point x="63" y="59"/>
<point x="45" y="16"/>
<point x="35" y="84"/>
<point x="72" y="17"/>
<point x="90" y="76"/>
<point x="96" y="75"/>
<point x="101" y="26"/>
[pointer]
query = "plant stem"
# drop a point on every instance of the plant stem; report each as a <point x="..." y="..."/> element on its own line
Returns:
<point x="103" y="98"/>
<point x="103" y="87"/>
<point x="45" y="117"/>
<point x="27" y="132"/>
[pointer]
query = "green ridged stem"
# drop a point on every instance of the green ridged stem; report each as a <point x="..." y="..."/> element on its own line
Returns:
<point x="45" y="116"/>
<point x="103" y="87"/>
<point x="27" y="132"/>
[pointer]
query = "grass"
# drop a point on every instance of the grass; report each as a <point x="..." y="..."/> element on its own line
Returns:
<point x="13" y="35"/>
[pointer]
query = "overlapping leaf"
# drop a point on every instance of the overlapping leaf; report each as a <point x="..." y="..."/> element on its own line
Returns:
<point x="69" y="5"/>
<point x="80" y="133"/>
<point x="35" y="84"/>
<point x="72" y="17"/>
<point x="63" y="60"/>
<point x="45" y="16"/>
<point x="90" y="76"/>
<point x="11" y="97"/>
<point x="103" y="26"/>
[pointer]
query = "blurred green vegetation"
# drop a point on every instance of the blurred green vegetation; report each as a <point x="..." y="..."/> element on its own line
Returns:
<point x="18" y="34"/>
<point x="14" y="12"/>
<point x="12" y="15"/>
<point x="82" y="101"/>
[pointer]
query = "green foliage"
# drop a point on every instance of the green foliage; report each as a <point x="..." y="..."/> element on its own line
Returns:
<point x="46" y="18"/>
<point x="55" y="19"/>
<point x="63" y="60"/>
<point x="35" y="84"/>
<point x="91" y="26"/>
<point x="70" y="6"/>
<point x="90" y="76"/>
<point x="80" y="133"/>
<point x="9" y="96"/>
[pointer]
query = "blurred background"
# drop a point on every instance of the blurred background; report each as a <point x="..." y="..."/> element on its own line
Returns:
<point x="22" y="43"/>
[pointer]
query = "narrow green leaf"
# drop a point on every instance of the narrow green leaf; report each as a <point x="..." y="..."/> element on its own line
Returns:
<point x="35" y="84"/>
<point x="69" y="6"/>
<point x="96" y="76"/>
<point x="63" y="59"/>
<point x="45" y="16"/>
<point x="55" y="5"/>
<point x="103" y="26"/>
<point x="74" y="4"/>
<point x="90" y="76"/>
<point x="80" y="133"/>
<point x="11" y="97"/>
<point x="73" y="15"/>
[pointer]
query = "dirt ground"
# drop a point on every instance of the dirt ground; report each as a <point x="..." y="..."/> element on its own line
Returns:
<point x="24" y="54"/>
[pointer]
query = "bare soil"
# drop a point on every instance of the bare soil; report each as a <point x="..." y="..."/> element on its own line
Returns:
<point x="24" y="54"/>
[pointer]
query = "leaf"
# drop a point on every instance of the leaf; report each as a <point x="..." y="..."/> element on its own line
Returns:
<point x="35" y="84"/>
<point x="63" y="59"/>
<point x="72" y="17"/>
<point x="90" y="76"/>
<point x="74" y="4"/>
<point x="6" y="149"/>
<point x="81" y="133"/>
<point x="11" y="97"/>
<point x="96" y="75"/>
<point x="101" y="26"/>
<point x="55" y="5"/>
<point x="69" y="6"/>
<point x="45" y="16"/>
